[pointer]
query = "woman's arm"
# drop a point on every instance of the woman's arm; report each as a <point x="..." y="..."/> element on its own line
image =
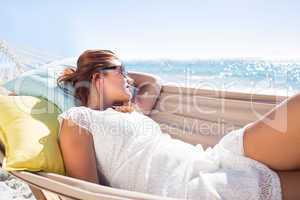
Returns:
<point x="149" y="87"/>
<point x="78" y="152"/>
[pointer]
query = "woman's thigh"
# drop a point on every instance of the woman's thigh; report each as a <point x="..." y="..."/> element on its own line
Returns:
<point x="275" y="139"/>
<point x="290" y="181"/>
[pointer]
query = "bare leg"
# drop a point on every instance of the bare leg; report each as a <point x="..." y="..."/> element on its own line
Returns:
<point x="275" y="139"/>
<point x="290" y="181"/>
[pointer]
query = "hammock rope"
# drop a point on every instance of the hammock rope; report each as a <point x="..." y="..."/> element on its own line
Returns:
<point x="15" y="61"/>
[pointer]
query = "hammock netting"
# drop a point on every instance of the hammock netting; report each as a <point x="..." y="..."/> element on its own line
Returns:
<point x="14" y="61"/>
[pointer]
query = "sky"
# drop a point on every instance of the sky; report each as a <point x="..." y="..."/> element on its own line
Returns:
<point x="155" y="28"/>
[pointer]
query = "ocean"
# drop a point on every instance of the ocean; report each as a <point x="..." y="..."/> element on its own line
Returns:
<point x="281" y="77"/>
<point x="277" y="77"/>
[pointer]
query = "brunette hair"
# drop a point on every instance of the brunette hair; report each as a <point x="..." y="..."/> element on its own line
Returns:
<point x="87" y="64"/>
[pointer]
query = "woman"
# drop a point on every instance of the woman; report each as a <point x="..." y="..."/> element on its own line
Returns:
<point x="106" y="141"/>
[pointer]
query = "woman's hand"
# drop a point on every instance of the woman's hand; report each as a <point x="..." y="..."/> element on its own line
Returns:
<point x="149" y="87"/>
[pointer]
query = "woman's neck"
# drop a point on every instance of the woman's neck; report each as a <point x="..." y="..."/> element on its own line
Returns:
<point x="98" y="104"/>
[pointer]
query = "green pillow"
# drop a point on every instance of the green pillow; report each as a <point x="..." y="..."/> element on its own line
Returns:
<point x="28" y="130"/>
<point x="42" y="82"/>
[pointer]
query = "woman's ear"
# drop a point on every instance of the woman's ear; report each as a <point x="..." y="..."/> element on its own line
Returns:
<point x="96" y="76"/>
<point x="97" y="80"/>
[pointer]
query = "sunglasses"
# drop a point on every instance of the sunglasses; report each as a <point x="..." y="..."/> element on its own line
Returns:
<point x="117" y="69"/>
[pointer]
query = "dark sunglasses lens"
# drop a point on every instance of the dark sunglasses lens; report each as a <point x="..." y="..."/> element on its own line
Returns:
<point x="120" y="68"/>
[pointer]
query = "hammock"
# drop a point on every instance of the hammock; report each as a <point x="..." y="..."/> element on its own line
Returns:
<point x="14" y="61"/>
<point x="241" y="108"/>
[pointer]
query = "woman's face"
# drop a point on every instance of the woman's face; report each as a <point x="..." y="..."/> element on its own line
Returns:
<point x="115" y="85"/>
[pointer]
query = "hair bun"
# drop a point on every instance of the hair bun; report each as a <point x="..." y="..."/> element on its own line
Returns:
<point x="69" y="75"/>
<point x="68" y="71"/>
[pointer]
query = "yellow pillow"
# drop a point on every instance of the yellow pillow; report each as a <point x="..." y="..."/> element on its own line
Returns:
<point x="28" y="130"/>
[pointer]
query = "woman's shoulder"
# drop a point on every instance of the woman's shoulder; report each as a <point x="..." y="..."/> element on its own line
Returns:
<point x="76" y="108"/>
<point x="83" y="112"/>
<point x="78" y="114"/>
<point x="73" y="111"/>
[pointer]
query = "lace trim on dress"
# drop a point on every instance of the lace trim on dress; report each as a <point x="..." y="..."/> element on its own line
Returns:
<point x="269" y="182"/>
<point x="78" y="115"/>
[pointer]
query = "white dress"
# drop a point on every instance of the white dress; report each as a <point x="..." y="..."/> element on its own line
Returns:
<point x="133" y="154"/>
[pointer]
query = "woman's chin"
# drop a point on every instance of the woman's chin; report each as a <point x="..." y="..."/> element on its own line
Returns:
<point x="126" y="96"/>
<point x="128" y="93"/>
<point x="129" y="96"/>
